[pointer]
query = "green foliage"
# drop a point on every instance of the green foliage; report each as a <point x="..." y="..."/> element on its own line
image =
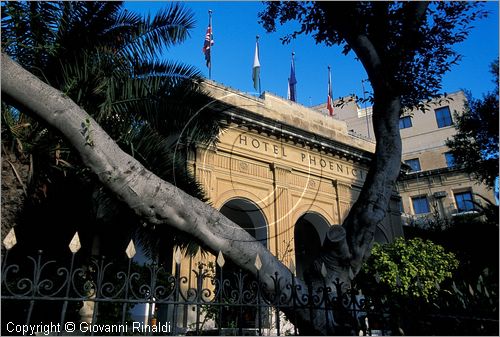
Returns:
<point x="480" y="297"/>
<point x="475" y="145"/>
<point x="412" y="268"/>
<point x="107" y="60"/>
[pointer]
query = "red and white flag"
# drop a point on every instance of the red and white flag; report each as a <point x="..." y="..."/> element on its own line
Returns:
<point x="329" y="101"/>
<point x="209" y="41"/>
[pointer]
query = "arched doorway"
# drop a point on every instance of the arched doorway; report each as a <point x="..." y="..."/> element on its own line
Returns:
<point x="309" y="234"/>
<point x="248" y="216"/>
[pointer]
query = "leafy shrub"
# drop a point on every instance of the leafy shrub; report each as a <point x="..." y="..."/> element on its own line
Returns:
<point x="412" y="268"/>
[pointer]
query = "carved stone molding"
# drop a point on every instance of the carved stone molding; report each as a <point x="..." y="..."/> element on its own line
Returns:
<point x="280" y="173"/>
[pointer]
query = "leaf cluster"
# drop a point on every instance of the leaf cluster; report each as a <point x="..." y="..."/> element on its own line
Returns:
<point x="111" y="62"/>
<point x="411" y="268"/>
<point x="475" y="145"/>
<point x="480" y="297"/>
<point x="413" y="41"/>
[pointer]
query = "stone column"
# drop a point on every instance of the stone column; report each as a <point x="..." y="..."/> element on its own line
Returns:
<point x="332" y="190"/>
<point x="344" y="197"/>
<point x="202" y="168"/>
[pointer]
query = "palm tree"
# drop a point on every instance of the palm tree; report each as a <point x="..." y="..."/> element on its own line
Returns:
<point x="108" y="60"/>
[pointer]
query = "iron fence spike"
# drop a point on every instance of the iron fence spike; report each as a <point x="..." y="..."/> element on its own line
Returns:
<point x="258" y="262"/>
<point x="130" y="251"/>
<point x="220" y="260"/>
<point x="10" y="240"/>
<point x="292" y="267"/>
<point x="75" y="245"/>
<point x="323" y="270"/>
<point x="177" y="255"/>
<point x="351" y="274"/>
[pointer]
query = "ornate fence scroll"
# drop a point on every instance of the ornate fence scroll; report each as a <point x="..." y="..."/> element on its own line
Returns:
<point x="93" y="296"/>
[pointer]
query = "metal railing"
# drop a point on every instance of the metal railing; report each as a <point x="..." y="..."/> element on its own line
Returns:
<point x="70" y="295"/>
<point x="99" y="296"/>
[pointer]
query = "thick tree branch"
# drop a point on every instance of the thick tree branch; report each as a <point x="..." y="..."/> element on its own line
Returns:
<point x="415" y="14"/>
<point x="371" y="207"/>
<point x="155" y="200"/>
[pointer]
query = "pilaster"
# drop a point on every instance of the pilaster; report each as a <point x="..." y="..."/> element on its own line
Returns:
<point x="343" y="192"/>
<point x="282" y="229"/>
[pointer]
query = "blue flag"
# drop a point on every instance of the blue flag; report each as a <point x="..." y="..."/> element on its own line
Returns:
<point x="292" y="81"/>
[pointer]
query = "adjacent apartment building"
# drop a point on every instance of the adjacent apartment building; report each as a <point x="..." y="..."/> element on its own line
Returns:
<point x="432" y="187"/>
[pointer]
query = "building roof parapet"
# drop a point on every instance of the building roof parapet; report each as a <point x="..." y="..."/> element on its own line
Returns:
<point x="350" y="102"/>
<point x="428" y="173"/>
<point x="274" y="113"/>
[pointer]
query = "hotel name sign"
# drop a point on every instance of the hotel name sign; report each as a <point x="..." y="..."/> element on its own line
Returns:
<point x="295" y="156"/>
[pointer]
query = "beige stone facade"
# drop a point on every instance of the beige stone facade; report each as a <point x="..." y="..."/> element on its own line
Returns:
<point x="285" y="173"/>
<point x="433" y="187"/>
<point x="279" y="165"/>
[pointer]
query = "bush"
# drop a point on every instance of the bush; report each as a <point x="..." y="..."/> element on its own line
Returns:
<point x="410" y="268"/>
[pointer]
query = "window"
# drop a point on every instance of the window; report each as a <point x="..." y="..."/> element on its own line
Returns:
<point x="420" y="205"/>
<point x="405" y="122"/>
<point x="443" y="117"/>
<point x="414" y="164"/>
<point x="464" y="201"/>
<point x="450" y="161"/>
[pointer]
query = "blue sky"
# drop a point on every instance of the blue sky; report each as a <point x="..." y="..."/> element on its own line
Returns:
<point x="235" y="27"/>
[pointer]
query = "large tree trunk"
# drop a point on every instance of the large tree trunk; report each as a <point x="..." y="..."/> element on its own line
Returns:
<point x="345" y="249"/>
<point x="156" y="201"/>
<point x="161" y="203"/>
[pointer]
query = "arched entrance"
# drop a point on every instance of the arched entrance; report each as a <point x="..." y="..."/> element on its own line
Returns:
<point x="309" y="234"/>
<point x="248" y="216"/>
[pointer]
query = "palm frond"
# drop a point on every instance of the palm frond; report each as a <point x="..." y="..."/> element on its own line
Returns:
<point x="168" y="69"/>
<point x="157" y="154"/>
<point x="106" y="59"/>
<point x="167" y="27"/>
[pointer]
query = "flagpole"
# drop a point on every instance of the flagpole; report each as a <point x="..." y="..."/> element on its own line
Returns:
<point x="294" y="87"/>
<point x="366" y="111"/>
<point x="330" y="98"/>
<point x="210" y="24"/>
<point x="257" y="41"/>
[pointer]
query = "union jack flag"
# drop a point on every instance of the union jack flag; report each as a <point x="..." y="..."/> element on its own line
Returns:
<point x="209" y="41"/>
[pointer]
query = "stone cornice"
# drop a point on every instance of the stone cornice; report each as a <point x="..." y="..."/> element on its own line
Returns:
<point x="242" y="115"/>
<point x="429" y="173"/>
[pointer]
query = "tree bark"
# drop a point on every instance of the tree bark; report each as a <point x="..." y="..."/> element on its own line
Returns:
<point x="372" y="204"/>
<point x="156" y="201"/>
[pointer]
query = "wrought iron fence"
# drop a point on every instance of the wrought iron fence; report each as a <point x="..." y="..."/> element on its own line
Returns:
<point x="43" y="296"/>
